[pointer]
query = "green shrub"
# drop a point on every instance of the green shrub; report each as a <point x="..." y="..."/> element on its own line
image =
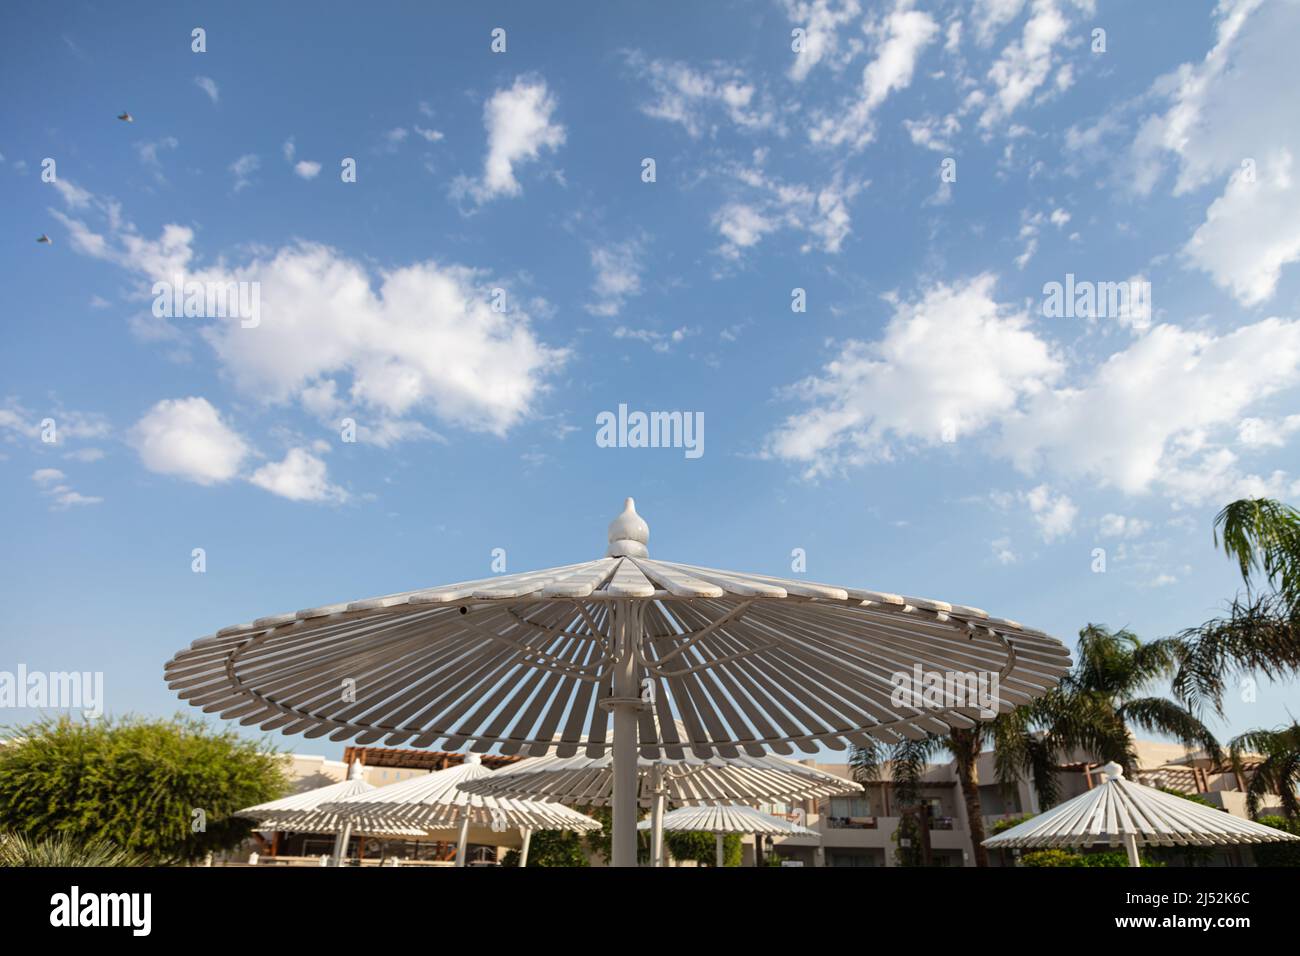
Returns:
<point x="703" y="847"/>
<point x="162" y="790"/>
<point x="62" y="850"/>
<point x="1061" y="857"/>
<point x="1278" y="854"/>
<point x="551" y="848"/>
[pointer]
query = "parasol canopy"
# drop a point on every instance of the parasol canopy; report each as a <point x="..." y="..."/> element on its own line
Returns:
<point x="1121" y="811"/>
<point x="721" y="820"/>
<point x="435" y="801"/>
<point x="589" y="781"/>
<point x="304" y="812"/>
<point x="729" y="818"/>
<point x="535" y="661"/>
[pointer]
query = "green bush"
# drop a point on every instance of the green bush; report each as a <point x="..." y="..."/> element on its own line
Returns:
<point x="161" y="790"/>
<point x="1278" y="854"/>
<point x="62" y="850"/>
<point x="1060" y="857"/>
<point x="703" y="847"/>
<point x="551" y="848"/>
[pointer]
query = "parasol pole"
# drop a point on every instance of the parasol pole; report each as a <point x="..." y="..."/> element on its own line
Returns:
<point x="718" y="839"/>
<point x="660" y="795"/>
<point x="341" y="842"/>
<point x="462" y="841"/>
<point x="1131" y="845"/>
<point x="523" y="850"/>
<point x="624" y="703"/>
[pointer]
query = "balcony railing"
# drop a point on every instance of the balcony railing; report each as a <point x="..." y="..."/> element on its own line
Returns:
<point x="852" y="823"/>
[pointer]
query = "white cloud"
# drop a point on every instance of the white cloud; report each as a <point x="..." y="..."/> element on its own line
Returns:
<point x="933" y="132"/>
<point x="243" y="168"/>
<point x="903" y="390"/>
<point x="306" y="169"/>
<point x="55" y="427"/>
<point x="769" y="205"/>
<point x="990" y="16"/>
<point x="1002" y="551"/>
<point x="659" y="341"/>
<point x="1121" y="526"/>
<point x="148" y="153"/>
<point x="1232" y="117"/>
<point x="186" y="437"/>
<point x="1154" y="416"/>
<point x="422" y="340"/>
<point x="1025" y="64"/>
<point x="52" y="484"/>
<point x="696" y="98"/>
<point x="1053" y="513"/>
<point x="824" y="23"/>
<point x="74" y="196"/>
<point x="618" y="275"/>
<point x="519" y="127"/>
<point x="429" y="135"/>
<point x="1262" y="432"/>
<point x="1145" y="417"/>
<point x="208" y="85"/>
<point x="900" y="38"/>
<point x="1251" y="231"/>
<point x="301" y="476"/>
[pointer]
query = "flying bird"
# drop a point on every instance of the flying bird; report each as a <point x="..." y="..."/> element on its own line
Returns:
<point x="126" y="118"/>
<point x="45" y="239"/>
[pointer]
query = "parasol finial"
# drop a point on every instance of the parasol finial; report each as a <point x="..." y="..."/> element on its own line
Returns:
<point x="628" y="534"/>
<point x="356" y="771"/>
<point x="1113" y="770"/>
<point x="472" y="758"/>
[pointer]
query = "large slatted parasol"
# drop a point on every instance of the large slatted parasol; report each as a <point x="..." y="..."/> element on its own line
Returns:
<point x="435" y="802"/>
<point x="530" y="662"/>
<point x="304" y="813"/>
<point x="589" y="781"/>
<point x="728" y="818"/>
<point x="1122" y="812"/>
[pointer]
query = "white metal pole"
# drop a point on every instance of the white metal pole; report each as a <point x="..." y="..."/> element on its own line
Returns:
<point x="523" y="850"/>
<point x="719" y="838"/>
<point x="660" y="797"/>
<point x="341" y="842"/>
<point x="1131" y="845"/>
<point x="625" y="704"/>
<point x="462" y="841"/>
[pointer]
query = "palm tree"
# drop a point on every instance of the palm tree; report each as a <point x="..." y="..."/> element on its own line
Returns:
<point x="1261" y="630"/>
<point x="907" y="760"/>
<point x="1280" y="771"/>
<point x="1104" y="695"/>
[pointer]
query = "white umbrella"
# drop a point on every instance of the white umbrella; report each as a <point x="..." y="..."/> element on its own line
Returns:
<point x="436" y="801"/>
<point x="535" y="661"/>
<point x="304" y="813"/>
<point x="589" y="781"/>
<point x="730" y="818"/>
<point x="1120" y="811"/>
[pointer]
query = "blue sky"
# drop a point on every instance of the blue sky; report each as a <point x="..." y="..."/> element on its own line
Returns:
<point x="923" y="427"/>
